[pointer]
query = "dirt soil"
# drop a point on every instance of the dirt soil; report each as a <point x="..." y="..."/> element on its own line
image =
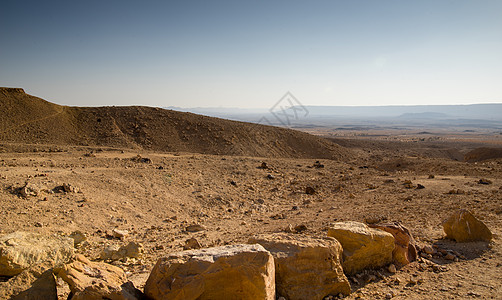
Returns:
<point x="154" y="172"/>
<point x="155" y="199"/>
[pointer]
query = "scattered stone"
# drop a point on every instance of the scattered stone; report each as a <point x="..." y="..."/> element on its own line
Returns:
<point x="405" y="250"/>
<point x="195" y="228"/>
<point x="392" y="268"/>
<point x="28" y="190"/>
<point x="226" y="272"/>
<point x="289" y="229"/>
<point x="278" y="217"/>
<point x="191" y="243"/>
<point x="363" y="247"/>
<point x="309" y="190"/>
<point x="120" y="234"/>
<point x="318" y="165"/>
<point x="263" y="166"/>
<point x="306" y="268"/>
<point x="39" y="224"/>
<point x="462" y="226"/>
<point x="270" y="176"/>
<point x="449" y="256"/>
<point x="78" y="237"/>
<point x="420" y="186"/>
<point x="115" y="252"/>
<point x="34" y="283"/>
<point x="484" y="181"/>
<point x="428" y="249"/>
<point x="140" y="159"/>
<point x="68" y="188"/>
<point x="21" y="250"/>
<point x="233" y="183"/>
<point x="97" y="280"/>
<point x="300" y="228"/>
<point x="431" y="176"/>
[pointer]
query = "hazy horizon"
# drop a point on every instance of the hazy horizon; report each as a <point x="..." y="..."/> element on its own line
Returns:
<point x="248" y="55"/>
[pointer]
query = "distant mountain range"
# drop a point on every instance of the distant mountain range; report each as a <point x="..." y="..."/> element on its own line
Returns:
<point x="474" y="115"/>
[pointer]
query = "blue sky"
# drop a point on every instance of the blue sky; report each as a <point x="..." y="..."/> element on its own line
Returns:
<point x="250" y="53"/>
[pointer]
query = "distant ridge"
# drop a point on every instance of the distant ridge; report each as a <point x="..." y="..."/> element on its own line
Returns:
<point x="28" y="119"/>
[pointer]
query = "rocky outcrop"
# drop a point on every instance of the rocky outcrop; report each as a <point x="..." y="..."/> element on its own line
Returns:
<point x="462" y="226"/>
<point x="227" y="272"/>
<point x="405" y="250"/>
<point x="116" y="252"/>
<point x="21" y="250"/>
<point x="305" y="267"/>
<point x="97" y="280"/>
<point x="363" y="247"/>
<point x="34" y="283"/>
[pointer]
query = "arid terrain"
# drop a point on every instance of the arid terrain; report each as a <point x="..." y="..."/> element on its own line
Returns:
<point x="151" y="173"/>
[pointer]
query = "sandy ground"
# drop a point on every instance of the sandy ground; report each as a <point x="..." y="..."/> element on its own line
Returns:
<point x="233" y="198"/>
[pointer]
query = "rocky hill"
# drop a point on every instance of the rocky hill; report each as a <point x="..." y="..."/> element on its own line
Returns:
<point x="29" y="119"/>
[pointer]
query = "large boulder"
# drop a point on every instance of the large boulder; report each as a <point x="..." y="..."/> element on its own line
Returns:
<point x="462" y="226"/>
<point x="405" y="250"/>
<point x="226" y="272"/>
<point x="363" y="247"/>
<point x="305" y="267"/>
<point x="97" y="280"/>
<point x="35" y="283"/>
<point x="21" y="250"/>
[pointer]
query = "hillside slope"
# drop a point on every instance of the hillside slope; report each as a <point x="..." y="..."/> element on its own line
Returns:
<point x="29" y="119"/>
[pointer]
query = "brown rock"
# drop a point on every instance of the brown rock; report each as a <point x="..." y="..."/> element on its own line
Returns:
<point x="114" y="252"/>
<point x="305" y="267"/>
<point x="21" y="250"/>
<point x="227" y="272"/>
<point x="405" y="250"/>
<point x="462" y="226"/>
<point x="363" y="247"/>
<point x="34" y="283"/>
<point x="191" y="243"/>
<point x="96" y="280"/>
<point x="195" y="228"/>
<point x="309" y="190"/>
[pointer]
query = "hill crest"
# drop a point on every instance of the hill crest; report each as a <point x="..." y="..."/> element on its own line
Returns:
<point x="29" y="119"/>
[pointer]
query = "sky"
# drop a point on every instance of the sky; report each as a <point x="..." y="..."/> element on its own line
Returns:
<point x="250" y="53"/>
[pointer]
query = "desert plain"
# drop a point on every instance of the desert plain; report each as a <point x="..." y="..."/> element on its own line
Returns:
<point x="114" y="193"/>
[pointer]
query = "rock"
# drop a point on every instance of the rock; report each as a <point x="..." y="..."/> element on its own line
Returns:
<point x="226" y="272"/>
<point x="195" y="228"/>
<point x="21" y="250"/>
<point x="309" y="190"/>
<point x="392" y="268"/>
<point x="191" y="243"/>
<point x="318" y="165"/>
<point x="305" y="267"/>
<point x="363" y="247"/>
<point x="119" y="233"/>
<point x="96" y="280"/>
<point x="29" y="189"/>
<point x="484" y="181"/>
<point x="78" y="237"/>
<point x="428" y="249"/>
<point x="138" y="158"/>
<point x="300" y="228"/>
<point x="34" y="283"/>
<point x="449" y="256"/>
<point x="462" y="226"/>
<point x="263" y="166"/>
<point x="114" y="252"/>
<point x="68" y="188"/>
<point x="405" y="250"/>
